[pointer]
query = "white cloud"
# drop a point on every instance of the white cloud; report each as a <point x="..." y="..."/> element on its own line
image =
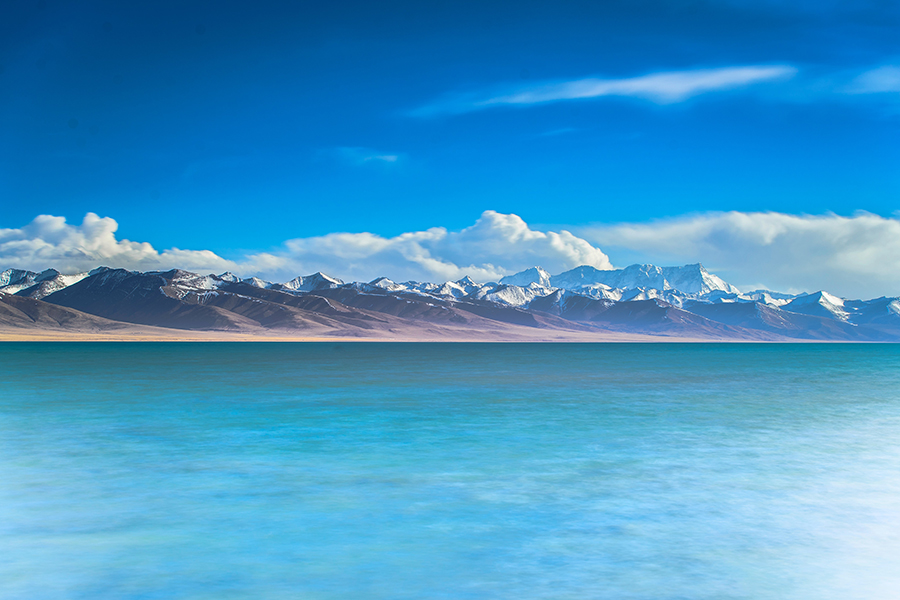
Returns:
<point x="662" y="88"/>
<point x="882" y="79"/>
<point x="49" y="241"/>
<point x="856" y="256"/>
<point x="496" y="245"/>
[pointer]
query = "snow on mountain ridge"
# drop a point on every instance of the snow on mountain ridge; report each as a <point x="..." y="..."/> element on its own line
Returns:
<point x="316" y="281"/>
<point x="894" y="307"/>
<point x="512" y="295"/>
<point x="677" y="286"/>
<point x="36" y="285"/>
<point x="15" y="280"/>
<point x="256" y="282"/>
<point x="768" y="297"/>
<point x="689" y="279"/>
<point x="819" y="304"/>
<point x="528" y="276"/>
<point x="48" y="285"/>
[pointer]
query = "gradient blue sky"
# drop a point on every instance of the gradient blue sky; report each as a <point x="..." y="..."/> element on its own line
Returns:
<point x="234" y="126"/>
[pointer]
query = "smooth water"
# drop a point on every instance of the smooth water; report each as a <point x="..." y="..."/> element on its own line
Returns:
<point x="449" y="471"/>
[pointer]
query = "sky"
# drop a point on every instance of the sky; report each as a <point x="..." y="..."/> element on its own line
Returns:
<point x="430" y="140"/>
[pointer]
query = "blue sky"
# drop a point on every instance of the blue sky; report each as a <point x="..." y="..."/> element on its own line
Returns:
<point x="232" y="127"/>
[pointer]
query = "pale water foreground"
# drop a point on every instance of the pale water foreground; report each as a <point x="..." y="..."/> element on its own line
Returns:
<point x="449" y="471"/>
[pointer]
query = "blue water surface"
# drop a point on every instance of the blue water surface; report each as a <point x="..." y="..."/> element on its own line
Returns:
<point x="395" y="471"/>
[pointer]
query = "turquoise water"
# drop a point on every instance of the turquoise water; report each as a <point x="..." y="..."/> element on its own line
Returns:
<point x="449" y="471"/>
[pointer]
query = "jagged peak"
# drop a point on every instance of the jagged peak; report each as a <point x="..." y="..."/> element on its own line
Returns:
<point x="318" y="276"/>
<point x="308" y="283"/>
<point x="47" y="274"/>
<point x="12" y="276"/>
<point x="228" y="276"/>
<point x="534" y="275"/>
<point x="256" y="282"/>
<point x="818" y="298"/>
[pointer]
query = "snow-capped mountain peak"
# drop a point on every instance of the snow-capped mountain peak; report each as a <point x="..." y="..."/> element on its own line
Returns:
<point x="689" y="279"/>
<point x="820" y="304"/>
<point x="11" y="277"/>
<point x="386" y="284"/>
<point x="316" y="281"/>
<point x="695" y="279"/>
<point x="256" y="282"/>
<point x="36" y="285"/>
<point x="524" y="278"/>
<point x="583" y="294"/>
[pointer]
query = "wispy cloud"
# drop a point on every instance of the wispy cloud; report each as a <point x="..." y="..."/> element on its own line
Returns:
<point x="882" y="79"/>
<point x="388" y="158"/>
<point x="359" y="155"/>
<point x="661" y="88"/>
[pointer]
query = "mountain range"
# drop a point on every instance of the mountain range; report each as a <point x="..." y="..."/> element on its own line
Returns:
<point x="585" y="303"/>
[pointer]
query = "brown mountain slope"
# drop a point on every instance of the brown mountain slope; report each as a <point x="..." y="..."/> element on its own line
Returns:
<point x="28" y="318"/>
<point x="24" y="312"/>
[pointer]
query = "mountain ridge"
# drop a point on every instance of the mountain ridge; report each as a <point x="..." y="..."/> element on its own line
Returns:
<point x="680" y="302"/>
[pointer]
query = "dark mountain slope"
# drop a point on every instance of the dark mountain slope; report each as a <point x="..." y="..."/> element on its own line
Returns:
<point x="643" y="316"/>
<point x="29" y="313"/>
<point x="139" y="298"/>
<point x="755" y="315"/>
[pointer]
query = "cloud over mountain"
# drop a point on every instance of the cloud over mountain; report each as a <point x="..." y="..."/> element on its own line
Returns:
<point x="856" y="256"/>
<point x="49" y="241"/>
<point x="496" y="245"/>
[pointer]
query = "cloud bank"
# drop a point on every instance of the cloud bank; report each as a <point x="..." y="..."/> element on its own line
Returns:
<point x="496" y="245"/>
<point x="662" y="88"/>
<point x="856" y="256"/>
<point x="50" y="242"/>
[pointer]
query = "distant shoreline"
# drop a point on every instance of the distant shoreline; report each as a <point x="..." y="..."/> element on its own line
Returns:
<point x="223" y="336"/>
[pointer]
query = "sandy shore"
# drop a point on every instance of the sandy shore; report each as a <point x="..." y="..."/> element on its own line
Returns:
<point x="168" y="335"/>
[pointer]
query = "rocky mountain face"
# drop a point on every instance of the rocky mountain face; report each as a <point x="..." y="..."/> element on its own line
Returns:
<point x="665" y="301"/>
<point x="36" y="285"/>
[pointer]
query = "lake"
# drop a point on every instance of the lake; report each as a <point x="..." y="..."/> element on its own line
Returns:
<point x="368" y="470"/>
